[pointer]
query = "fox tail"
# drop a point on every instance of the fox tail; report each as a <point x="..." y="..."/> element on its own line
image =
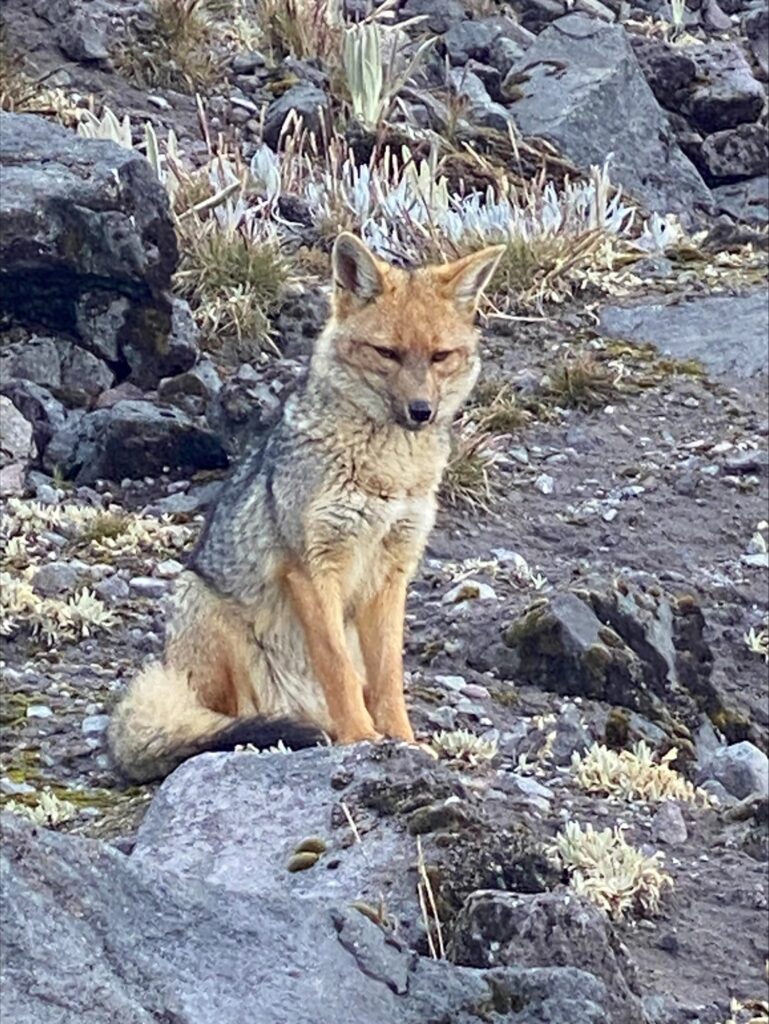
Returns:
<point x="161" y="722"/>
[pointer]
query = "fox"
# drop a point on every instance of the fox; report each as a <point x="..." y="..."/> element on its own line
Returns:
<point x="287" y="622"/>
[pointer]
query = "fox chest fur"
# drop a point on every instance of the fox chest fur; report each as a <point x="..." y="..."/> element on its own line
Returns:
<point x="355" y="500"/>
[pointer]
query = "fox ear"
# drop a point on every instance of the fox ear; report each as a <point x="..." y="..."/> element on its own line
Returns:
<point x="355" y="268"/>
<point x="464" y="280"/>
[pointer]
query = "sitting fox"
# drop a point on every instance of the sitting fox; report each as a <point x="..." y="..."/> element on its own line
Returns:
<point x="288" y="621"/>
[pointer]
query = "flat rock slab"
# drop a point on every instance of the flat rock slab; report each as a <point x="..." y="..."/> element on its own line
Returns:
<point x="236" y="819"/>
<point x="726" y="333"/>
<point x="90" y="936"/>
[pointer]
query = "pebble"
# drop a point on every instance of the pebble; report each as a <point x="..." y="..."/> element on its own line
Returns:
<point x="475" y="691"/>
<point x="56" y="578"/>
<point x="113" y="590"/>
<point x="147" y="586"/>
<point x="39" y="711"/>
<point x="94" y="725"/>
<point x="668" y="825"/>
<point x="469" y="590"/>
<point x="544" y="483"/>
<point x="11" y="788"/>
<point x="168" y="568"/>
<point x="452" y="682"/>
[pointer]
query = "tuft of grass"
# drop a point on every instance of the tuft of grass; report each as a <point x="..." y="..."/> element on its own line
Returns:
<point x="467" y="480"/>
<point x="498" y="409"/>
<point x="609" y="872"/>
<point x="305" y="29"/>
<point x="105" y="526"/>
<point x="462" y="747"/>
<point x="634" y="775"/>
<point x="175" y="51"/>
<point x="233" y="283"/>
<point x="580" y="381"/>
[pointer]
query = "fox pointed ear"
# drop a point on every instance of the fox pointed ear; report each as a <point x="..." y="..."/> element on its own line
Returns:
<point x="464" y="280"/>
<point x="356" y="270"/>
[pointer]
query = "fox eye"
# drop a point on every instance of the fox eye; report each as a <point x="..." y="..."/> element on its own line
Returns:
<point x="439" y="357"/>
<point x="387" y="353"/>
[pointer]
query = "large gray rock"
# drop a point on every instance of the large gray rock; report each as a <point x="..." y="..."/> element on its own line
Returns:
<point x="308" y="101"/>
<point x="742" y="769"/>
<point x="746" y="201"/>
<point x="726" y="333"/>
<point x="625" y="645"/>
<point x="235" y="820"/>
<point x="736" y="153"/>
<point x="581" y="88"/>
<point x="132" y="439"/>
<point x="547" y="930"/>
<point x="85" y="224"/>
<point x="726" y="93"/>
<point x="90" y="937"/>
<point x="16" y="448"/>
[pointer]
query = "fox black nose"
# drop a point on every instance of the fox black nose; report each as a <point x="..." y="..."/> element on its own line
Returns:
<point x="420" y="411"/>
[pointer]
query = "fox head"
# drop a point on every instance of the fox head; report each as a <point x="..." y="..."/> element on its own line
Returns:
<point x="402" y="345"/>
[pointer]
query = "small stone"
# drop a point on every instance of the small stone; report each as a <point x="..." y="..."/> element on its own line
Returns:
<point x="147" y="586"/>
<point x="475" y="691"/>
<point x="112" y="590"/>
<point x="469" y="590"/>
<point x="39" y="711"/>
<point x="11" y="788"/>
<point x="452" y="682"/>
<point x="168" y="568"/>
<point x="94" y="725"/>
<point x="55" y="578"/>
<point x="302" y="861"/>
<point x="668" y="825"/>
<point x="544" y="484"/>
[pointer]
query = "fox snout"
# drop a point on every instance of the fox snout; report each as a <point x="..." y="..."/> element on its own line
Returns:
<point x="415" y="414"/>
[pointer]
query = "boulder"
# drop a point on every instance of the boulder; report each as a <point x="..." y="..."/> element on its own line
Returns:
<point x="46" y="413"/>
<point x="132" y="439"/>
<point x="726" y="93"/>
<point x="86" y="240"/>
<point x="16" y="447"/>
<point x="746" y="201"/>
<point x="91" y="936"/>
<point x="438" y="15"/>
<point x="545" y="930"/>
<point x="309" y="101"/>
<point x="630" y="646"/>
<point x="698" y="329"/>
<point x="668" y="69"/>
<point x="481" y="109"/>
<point x="742" y="769"/>
<point x="580" y="87"/>
<point x="477" y="40"/>
<point x="735" y="154"/>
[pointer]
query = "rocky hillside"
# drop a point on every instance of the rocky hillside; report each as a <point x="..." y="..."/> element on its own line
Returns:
<point x="581" y="836"/>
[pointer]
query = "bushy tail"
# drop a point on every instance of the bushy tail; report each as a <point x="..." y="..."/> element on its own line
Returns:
<point x="161" y="722"/>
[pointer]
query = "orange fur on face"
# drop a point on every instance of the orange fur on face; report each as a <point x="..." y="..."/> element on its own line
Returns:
<point x="411" y="336"/>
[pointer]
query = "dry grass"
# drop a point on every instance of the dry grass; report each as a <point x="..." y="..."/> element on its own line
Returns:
<point x="468" y="477"/>
<point x="305" y="29"/>
<point x="581" y="381"/>
<point x="498" y="409"/>
<point x="233" y="283"/>
<point x="176" y="52"/>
